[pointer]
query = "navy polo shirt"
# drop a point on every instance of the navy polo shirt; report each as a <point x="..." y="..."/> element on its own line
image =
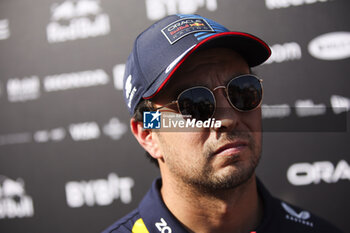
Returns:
<point x="152" y="216"/>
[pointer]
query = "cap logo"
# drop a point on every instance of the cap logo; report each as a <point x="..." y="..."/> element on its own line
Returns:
<point x="182" y="27"/>
<point x="129" y="90"/>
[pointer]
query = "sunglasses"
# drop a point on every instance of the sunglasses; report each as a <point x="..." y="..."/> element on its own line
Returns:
<point x="243" y="92"/>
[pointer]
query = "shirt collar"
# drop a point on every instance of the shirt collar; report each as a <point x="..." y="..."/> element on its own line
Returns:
<point x="157" y="216"/>
<point x="268" y="206"/>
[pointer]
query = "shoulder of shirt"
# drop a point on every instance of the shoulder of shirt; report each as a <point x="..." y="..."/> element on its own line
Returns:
<point x="125" y="224"/>
<point x="297" y="219"/>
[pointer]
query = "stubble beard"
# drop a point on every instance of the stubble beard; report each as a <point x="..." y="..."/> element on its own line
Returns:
<point x="205" y="179"/>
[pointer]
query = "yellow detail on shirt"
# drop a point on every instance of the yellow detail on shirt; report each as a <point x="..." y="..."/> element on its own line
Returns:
<point x="139" y="227"/>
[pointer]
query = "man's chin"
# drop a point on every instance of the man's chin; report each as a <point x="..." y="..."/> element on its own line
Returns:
<point x="227" y="178"/>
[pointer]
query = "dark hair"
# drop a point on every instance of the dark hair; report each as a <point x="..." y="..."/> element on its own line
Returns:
<point x="142" y="106"/>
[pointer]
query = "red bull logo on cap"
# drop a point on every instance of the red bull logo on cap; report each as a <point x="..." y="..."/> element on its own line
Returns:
<point x="183" y="27"/>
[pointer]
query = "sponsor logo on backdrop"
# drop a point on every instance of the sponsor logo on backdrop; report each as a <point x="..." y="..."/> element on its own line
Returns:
<point x="305" y="108"/>
<point x="157" y="9"/>
<point x="4" y="29"/>
<point x="275" y="111"/>
<point x="331" y="46"/>
<point x="72" y="20"/>
<point x="115" y="129"/>
<point x="284" y="52"/>
<point x="118" y="75"/>
<point x="314" y="173"/>
<point x="14" y="201"/>
<point x="294" y="216"/>
<point x="100" y="192"/>
<point x="276" y="4"/>
<point x="340" y="104"/>
<point x="28" y="88"/>
<point x="25" y="89"/>
<point x="15" y="138"/>
<point x="55" y="135"/>
<point x="81" y="79"/>
<point x="84" y="131"/>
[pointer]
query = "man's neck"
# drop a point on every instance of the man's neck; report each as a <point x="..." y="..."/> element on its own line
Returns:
<point x="237" y="210"/>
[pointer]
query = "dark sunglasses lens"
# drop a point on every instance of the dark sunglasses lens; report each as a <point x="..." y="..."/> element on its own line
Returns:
<point x="245" y="92"/>
<point x="197" y="102"/>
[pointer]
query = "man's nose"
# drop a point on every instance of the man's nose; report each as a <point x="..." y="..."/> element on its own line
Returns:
<point x="224" y="112"/>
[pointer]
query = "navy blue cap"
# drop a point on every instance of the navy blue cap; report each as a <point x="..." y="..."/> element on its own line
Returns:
<point x="162" y="48"/>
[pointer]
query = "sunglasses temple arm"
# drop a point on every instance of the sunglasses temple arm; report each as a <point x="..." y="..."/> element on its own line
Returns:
<point x="173" y="102"/>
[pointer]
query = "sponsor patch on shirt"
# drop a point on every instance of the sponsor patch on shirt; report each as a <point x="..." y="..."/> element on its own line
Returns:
<point x="182" y="27"/>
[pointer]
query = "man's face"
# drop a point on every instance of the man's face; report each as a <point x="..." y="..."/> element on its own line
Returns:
<point x="211" y="159"/>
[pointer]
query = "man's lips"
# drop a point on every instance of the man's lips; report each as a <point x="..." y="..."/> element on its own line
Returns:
<point x="230" y="149"/>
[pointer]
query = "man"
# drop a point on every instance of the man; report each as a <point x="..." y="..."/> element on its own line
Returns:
<point x="190" y="65"/>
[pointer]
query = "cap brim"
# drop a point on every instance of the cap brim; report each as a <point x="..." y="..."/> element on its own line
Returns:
<point x="254" y="50"/>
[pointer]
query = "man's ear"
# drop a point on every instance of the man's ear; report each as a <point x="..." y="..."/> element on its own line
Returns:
<point x="147" y="139"/>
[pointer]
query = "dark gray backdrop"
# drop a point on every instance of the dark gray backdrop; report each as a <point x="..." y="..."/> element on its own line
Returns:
<point x="68" y="162"/>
